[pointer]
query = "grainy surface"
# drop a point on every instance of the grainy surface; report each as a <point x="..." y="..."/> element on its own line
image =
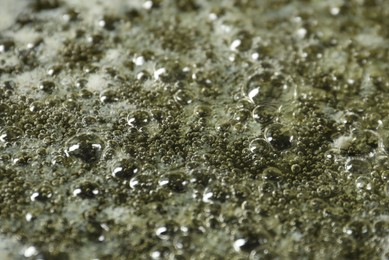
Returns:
<point x="194" y="129"/>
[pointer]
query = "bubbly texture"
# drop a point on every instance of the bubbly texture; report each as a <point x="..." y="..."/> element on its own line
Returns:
<point x="194" y="129"/>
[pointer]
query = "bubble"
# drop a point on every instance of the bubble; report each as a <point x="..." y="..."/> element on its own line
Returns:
<point x="358" y="229"/>
<point x="86" y="147"/>
<point x="158" y="74"/>
<point x="95" y="38"/>
<point x="10" y="134"/>
<point x="250" y="240"/>
<point x="357" y="166"/>
<point x="260" y="146"/>
<point x="6" y="45"/>
<point x="267" y="187"/>
<point x="201" y="177"/>
<point x="260" y="87"/>
<point x="143" y="182"/>
<point x="81" y="83"/>
<point x="202" y="111"/>
<point x="244" y="41"/>
<point x="272" y="174"/>
<point x="385" y="175"/>
<point x="167" y="231"/>
<point x="216" y="192"/>
<point x="30" y="252"/>
<point x="264" y="114"/>
<point x="86" y="190"/>
<point x="4" y="109"/>
<point x="317" y="204"/>
<point x="107" y="22"/>
<point x="138" y="118"/>
<point x="176" y="181"/>
<point x="47" y="86"/>
<point x="183" y="97"/>
<point x="295" y="168"/>
<point x="279" y="136"/>
<point x="241" y="115"/>
<point x="109" y="96"/>
<point x="381" y="228"/>
<point x="54" y="70"/>
<point x="125" y="169"/>
<point x="143" y="75"/>
<point x="363" y="183"/>
<point x="324" y="191"/>
<point x="42" y="194"/>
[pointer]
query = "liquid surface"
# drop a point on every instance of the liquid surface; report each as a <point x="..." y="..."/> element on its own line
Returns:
<point x="194" y="129"/>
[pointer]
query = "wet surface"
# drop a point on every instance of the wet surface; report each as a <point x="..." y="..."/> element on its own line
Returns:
<point x="193" y="129"/>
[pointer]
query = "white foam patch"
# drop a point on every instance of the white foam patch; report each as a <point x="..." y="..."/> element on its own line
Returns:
<point x="28" y="80"/>
<point x="8" y="245"/>
<point x="96" y="83"/>
<point x="52" y="47"/>
<point x="371" y="40"/>
<point x="9" y="10"/>
<point x="25" y="36"/>
<point x="113" y="57"/>
<point x="96" y="8"/>
<point x="121" y="215"/>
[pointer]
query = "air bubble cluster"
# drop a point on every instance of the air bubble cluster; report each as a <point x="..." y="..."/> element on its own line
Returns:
<point x="194" y="130"/>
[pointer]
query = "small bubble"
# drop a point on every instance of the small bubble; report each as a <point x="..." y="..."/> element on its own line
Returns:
<point x="260" y="146"/>
<point x="6" y="45"/>
<point x="87" y="147"/>
<point x="381" y="228"/>
<point x="159" y="72"/>
<point x="29" y="217"/>
<point x="30" y="252"/>
<point x="324" y="191"/>
<point x="176" y="181"/>
<point x="109" y="96"/>
<point x="295" y="168"/>
<point x="241" y="115"/>
<point x="357" y="166"/>
<point x="42" y="194"/>
<point x="235" y="44"/>
<point x="81" y="83"/>
<point x="138" y="118"/>
<point x="334" y="10"/>
<point x="202" y="111"/>
<point x="148" y="5"/>
<point x="86" y="190"/>
<point x="363" y="183"/>
<point x="261" y="87"/>
<point x="250" y="240"/>
<point x="301" y="33"/>
<point x="358" y="229"/>
<point x="70" y="15"/>
<point x="279" y="136"/>
<point x="272" y="174"/>
<point x="183" y="97"/>
<point x="216" y="193"/>
<point x="10" y="134"/>
<point x="107" y="22"/>
<point x="125" y="169"/>
<point x="47" y="86"/>
<point x="143" y="182"/>
<point x="167" y="231"/>
<point x="143" y="75"/>
<point x="54" y="70"/>
<point x="264" y="114"/>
